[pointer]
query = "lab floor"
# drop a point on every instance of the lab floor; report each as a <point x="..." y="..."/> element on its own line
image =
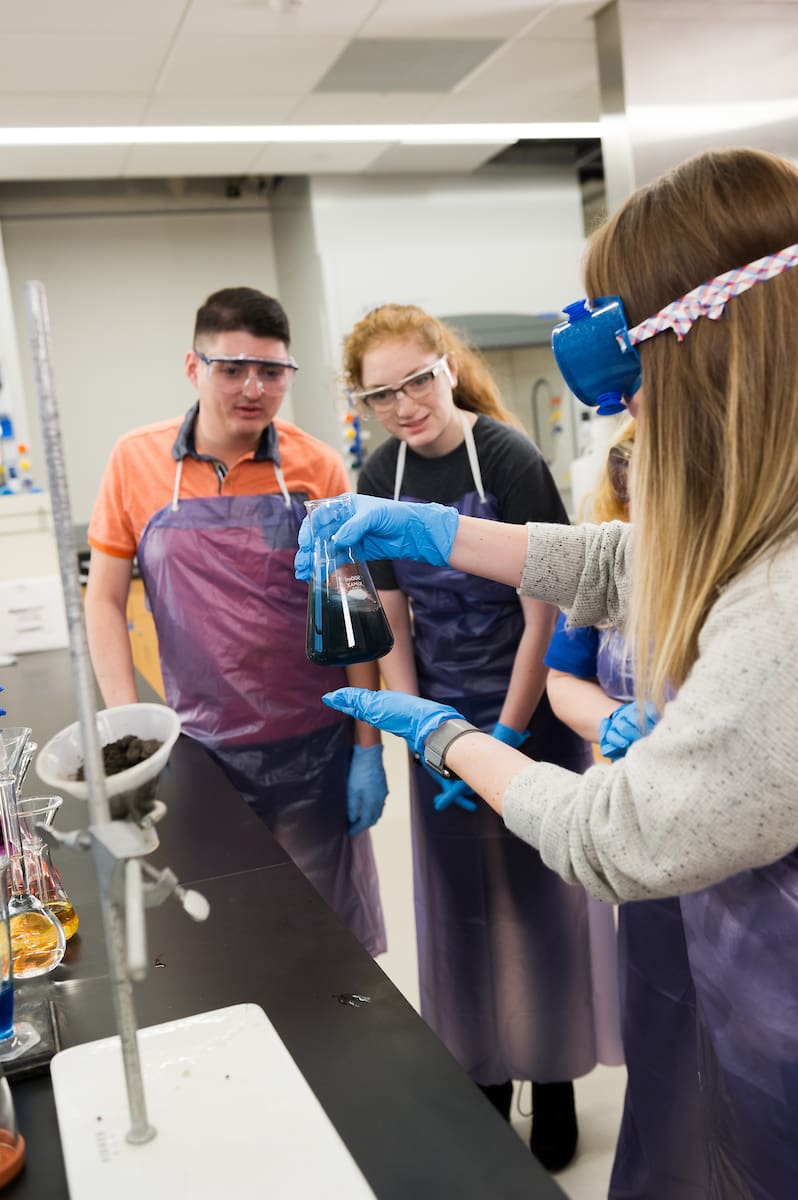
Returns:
<point x="599" y="1095"/>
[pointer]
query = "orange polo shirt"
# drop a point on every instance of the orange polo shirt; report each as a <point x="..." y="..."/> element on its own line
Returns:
<point x="139" y="479"/>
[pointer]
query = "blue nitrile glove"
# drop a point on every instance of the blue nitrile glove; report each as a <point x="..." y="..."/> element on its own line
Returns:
<point x="366" y="788"/>
<point x="384" y="529"/>
<point x="510" y="737"/>
<point x="621" y="728"/>
<point x="454" y="791"/>
<point x="408" y="717"/>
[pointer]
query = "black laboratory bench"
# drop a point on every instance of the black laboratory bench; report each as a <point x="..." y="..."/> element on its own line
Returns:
<point x="412" y="1120"/>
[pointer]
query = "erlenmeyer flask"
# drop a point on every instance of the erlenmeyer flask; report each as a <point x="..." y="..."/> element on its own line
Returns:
<point x="48" y="886"/>
<point x="37" y="939"/>
<point x="36" y="810"/>
<point x="346" y="622"/>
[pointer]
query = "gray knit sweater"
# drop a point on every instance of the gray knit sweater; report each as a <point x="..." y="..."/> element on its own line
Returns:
<point x="713" y="789"/>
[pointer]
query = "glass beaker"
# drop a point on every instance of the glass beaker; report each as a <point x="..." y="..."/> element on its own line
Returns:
<point x="346" y="622"/>
<point x="37" y="939"/>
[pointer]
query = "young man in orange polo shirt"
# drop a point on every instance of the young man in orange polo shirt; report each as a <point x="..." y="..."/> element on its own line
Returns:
<point x="210" y="505"/>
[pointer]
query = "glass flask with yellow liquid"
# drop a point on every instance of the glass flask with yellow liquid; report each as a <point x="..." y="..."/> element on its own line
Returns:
<point x="47" y="885"/>
<point x="43" y="875"/>
<point x="38" y="941"/>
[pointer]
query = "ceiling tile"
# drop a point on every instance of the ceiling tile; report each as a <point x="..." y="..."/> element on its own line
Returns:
<point x="89" y="16"/>
<point x="315" y="158"/>
<point x="405" y="65"/>
<point x="246" y="109"/>
<point x="247" y="65"/>
<point x="433" y="159"/>
<point x="572" y="21"/>
<point x="520" y="102"/>
<point x="44" y="62"/>
<point x="68" y="109"/>
<point x="61" y="162"/>
<point x="356" y="108"/>
<point x="313" y="18"/>
<point x="452" y="18"/>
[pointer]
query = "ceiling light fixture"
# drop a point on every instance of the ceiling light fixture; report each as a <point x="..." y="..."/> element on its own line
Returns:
<point x="176" y="135"/>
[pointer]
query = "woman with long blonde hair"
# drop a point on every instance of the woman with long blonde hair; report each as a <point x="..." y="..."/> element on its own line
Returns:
<point x="691" y="323"/>
<point x="661" y="1153"/>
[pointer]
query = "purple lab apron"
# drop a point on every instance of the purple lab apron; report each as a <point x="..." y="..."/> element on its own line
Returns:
<point x="661" y="1151"/>
<point x="742" y="942"/>
<point x="230" y="616"/>
<point x="506" y="948"/>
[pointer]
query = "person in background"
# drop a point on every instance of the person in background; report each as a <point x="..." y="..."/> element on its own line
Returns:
<point x="661" y="1145"/>
<point x="690" y="322"/>
<point x="210" y="504"/>
<point x="510" y="992"/>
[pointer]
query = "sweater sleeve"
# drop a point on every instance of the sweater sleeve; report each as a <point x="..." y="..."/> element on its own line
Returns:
<point x="711" y="790"/>
<point x="584" y="569"/>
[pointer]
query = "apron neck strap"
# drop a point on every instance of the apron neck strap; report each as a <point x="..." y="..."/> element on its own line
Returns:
<point x="471" y="451"/>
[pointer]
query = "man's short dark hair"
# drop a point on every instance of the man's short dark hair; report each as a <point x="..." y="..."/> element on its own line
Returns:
<point x="242" y="308"/>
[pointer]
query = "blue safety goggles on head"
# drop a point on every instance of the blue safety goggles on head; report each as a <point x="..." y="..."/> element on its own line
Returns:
<point x="594" y="354"/>
<point x="596" y="350"/>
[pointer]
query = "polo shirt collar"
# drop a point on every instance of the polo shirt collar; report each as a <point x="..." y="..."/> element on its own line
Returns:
<point x="268" y="449"/>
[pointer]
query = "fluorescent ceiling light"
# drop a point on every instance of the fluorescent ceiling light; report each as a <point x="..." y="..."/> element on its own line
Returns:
<point x="176" y="135"/>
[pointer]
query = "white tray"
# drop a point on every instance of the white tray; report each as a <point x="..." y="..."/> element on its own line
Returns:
<point x="233" y="1112"/>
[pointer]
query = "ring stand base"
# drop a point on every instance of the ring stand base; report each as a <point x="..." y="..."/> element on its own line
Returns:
<point x="231" y="1108"/>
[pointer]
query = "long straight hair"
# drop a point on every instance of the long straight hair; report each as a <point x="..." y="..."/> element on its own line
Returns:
<point x="716" y="467"/>
<point x="476" y="390"/>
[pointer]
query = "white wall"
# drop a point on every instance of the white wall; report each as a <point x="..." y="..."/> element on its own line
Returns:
<point x="122" y="288"/>
<point x="507" y="240"/>
<point x="502" y="241"/>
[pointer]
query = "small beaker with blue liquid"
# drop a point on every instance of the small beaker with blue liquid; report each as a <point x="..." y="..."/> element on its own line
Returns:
<point x="346" y="622"/>
<point x="15" y="1039"/>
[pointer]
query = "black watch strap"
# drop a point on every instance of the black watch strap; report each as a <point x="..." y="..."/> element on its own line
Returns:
<point x="439" y="741"/>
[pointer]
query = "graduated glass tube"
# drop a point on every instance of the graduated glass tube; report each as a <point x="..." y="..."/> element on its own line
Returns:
<point x="37" y="939"/>
<point x="346" y="622"/>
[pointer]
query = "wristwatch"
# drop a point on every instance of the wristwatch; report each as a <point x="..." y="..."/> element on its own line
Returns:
<point x="440" y="740"/>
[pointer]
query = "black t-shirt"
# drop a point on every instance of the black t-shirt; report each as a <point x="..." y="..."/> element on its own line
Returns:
<point x="513" y="471"/>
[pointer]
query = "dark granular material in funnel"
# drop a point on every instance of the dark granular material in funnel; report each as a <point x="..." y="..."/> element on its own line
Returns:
<point x="125" y="752"/>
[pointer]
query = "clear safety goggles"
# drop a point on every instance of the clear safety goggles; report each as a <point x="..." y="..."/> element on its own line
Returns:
<point x="232" y="373"/>
<point x="596" y="350"/>
<point x="417" y="386"/>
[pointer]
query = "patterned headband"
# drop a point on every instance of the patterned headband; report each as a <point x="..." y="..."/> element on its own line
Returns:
<point x="709" y="299"/>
